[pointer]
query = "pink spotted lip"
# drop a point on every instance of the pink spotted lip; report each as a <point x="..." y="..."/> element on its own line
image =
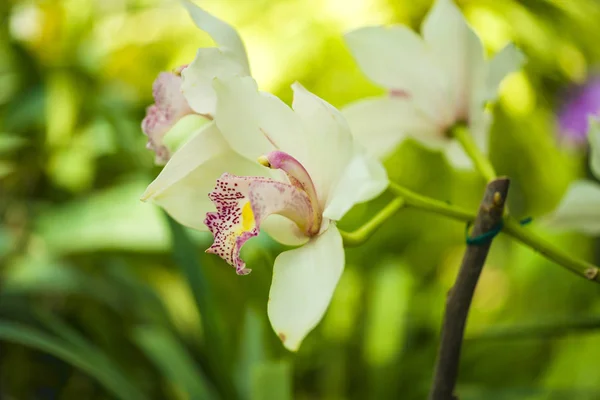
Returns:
<point x="227" y="244"/>
<point x="243" y="202"/>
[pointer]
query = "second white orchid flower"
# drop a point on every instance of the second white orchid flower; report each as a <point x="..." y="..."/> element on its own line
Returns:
<point x="433" y="82"/>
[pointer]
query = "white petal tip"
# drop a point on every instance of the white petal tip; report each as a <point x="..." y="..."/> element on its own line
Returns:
<point x="297" y="86"/>
<point x="147" y="195"/>
<point x="289" y="345"/>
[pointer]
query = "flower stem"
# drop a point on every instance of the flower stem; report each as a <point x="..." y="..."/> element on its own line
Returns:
<point x="420" y="202"/>
<point x="540" y="329"/>
<point x="406" y="198"/>
<point x="551" y="252"/>
<point x="482" y="163"/>
<point x="363" y="233"/>
<point x="512" y="227"/>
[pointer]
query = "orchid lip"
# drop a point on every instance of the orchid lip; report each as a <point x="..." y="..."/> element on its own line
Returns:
<point x="243" y="202"/>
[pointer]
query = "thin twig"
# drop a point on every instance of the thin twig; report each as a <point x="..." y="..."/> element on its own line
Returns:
<point x="540" y="330"/>
<point x="459" y="297"/>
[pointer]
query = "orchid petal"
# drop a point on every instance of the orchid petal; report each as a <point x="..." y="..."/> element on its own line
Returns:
<point x="224" y="35"/>
<point x="183" y="130"/>
<point x="579" y="210"/>
<point x="182" y="186"/>
<point x="397" y="58"/>
<point x="458" y="51"/>
<point x="169" y="107"/>
<point x="304" y="280"/>
<point x="506" y="61"/>
<point x="242" y="203"/>
<point x="381" y="124"/>
<point x="457" y="157"/>
<point x="594" y="139"/>
<point x="328" y="146"/>
<point x="255" y="123"/>
<point x="480" y="122"/>
<point x="364" y="178"/>
<point x="283" y="230"/>
<point x="198" y="78"/>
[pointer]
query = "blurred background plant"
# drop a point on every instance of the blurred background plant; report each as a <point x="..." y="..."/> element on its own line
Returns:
<point x="102" y="296"/>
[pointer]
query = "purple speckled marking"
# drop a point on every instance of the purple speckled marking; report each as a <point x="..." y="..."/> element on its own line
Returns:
<point x="266" y="197"/>
<point x="169" y="107"/>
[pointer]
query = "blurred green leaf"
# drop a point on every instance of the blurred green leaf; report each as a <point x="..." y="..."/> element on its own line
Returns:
<point x="6" y="241"/>
<point x="184" y="253"/>
<point x="272" y="380"/>
<point x="252" y="351"/>
<point x="526" y="393"/>
<point x="112" y="219"/>
<point x="11" y="142"/>
<point x="63" y="106"/>
<point x="173" y="361"/>
<point x="44" y="276"/>
<point x="6" y="168"/>
<point x="79" y="354"/>
<point x="146" y="301"/>
<point x="386" y="326"/>
<point x="570" y="368"/>
<point x="26" y="110"/>
<point x="72" y="167"/>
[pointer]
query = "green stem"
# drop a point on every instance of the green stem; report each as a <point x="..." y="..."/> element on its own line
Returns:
<point x="551" y="252"/>
<point x="363" y="233"/>
<point x="512" y="227"/>
<point x="540" y="329"/>
<point x="407" y="198"/>
<point x="482" y="163"/>
<point x="420" y="202"/>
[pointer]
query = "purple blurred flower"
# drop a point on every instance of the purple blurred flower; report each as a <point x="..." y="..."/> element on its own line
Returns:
<point x="580" y="103"/>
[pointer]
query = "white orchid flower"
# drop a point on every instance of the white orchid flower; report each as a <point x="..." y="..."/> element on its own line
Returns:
<point x="320" y="175"/>
<point x="434" y="82"/>
<point x="314" y="174"/>
<point x="579" y="210"/>
<point x="176" y="99"/>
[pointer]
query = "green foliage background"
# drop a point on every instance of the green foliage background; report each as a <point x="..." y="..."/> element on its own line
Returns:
<point x="103" y="297"/>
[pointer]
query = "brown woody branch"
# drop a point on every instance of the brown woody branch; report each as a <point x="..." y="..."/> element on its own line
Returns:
<point x="460" y="295"/>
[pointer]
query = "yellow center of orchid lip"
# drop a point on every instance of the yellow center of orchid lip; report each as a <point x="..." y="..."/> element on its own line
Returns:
<point x="247" y="217"/>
